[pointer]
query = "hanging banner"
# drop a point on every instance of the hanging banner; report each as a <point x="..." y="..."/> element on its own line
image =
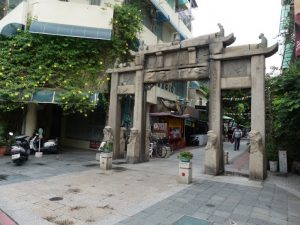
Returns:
<point x="297" y="26"/>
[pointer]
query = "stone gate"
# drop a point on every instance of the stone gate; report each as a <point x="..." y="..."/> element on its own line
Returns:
<point x="203" y="57"/>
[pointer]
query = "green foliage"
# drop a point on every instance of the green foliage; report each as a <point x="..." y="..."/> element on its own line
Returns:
<point x="286" y="109"/>
<point x="107" y="148"/>
<point x="271" y="149"/>
<point x="3" y="140"/>
<point x="185" y="155"/>
<point x="238" y="109"/>
<point x="74" y="66"/>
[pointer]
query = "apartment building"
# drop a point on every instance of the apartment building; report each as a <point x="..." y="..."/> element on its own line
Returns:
<point x="287" y="31"/>
<point x="92" y="19"/>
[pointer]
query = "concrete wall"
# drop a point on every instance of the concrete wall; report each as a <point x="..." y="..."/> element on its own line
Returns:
<point x="157" y="92"/>
<point x="90" y="15"/>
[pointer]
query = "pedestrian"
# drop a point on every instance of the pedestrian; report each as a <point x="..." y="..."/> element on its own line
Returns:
<point x="237" y="134"/>
<point x="229" y="135"/>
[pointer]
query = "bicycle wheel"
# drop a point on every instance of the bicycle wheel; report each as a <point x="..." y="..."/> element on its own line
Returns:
<point x="161" y="151"/>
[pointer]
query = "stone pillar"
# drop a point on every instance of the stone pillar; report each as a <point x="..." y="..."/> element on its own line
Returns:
<point x="136" y="151"/>
<point x="106" y="161"/>
<point x="133" y="149"/>
<point x="257" y="160"/>
<point x="214" y="160"/>
<point x="185" y="173"/>
<point x="148" y="131"/>
<point x="114" y="111"/>
<point x="31" y="119"/>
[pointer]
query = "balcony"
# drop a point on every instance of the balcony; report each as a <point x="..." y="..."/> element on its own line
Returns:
<point x="172" y="17"/>
<point x="62" y="18"/>
<point x="71" y="19"/>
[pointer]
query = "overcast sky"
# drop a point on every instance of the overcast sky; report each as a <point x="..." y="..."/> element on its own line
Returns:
<point x="246" y="19"/>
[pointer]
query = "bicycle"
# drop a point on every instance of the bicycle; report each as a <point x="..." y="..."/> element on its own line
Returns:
<point x="160" y="146"/>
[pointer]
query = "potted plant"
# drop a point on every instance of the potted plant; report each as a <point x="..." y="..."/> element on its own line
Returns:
<point x="106" y="156"/>
<point x="272" y="154"/>
<point x="185" y="156"/>
<point x="3" y="140"/>
<point x="106" y="148"/>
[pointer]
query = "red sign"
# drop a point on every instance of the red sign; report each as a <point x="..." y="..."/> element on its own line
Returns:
<point x="95" y="144"/>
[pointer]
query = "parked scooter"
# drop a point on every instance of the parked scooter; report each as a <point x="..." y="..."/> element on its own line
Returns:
<point x="38" y="144"/>
<point x="20" y="150"/>
<point x="193" y="140"/>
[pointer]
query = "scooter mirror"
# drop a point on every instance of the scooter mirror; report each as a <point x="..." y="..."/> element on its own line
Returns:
<point x="11" y="133"/>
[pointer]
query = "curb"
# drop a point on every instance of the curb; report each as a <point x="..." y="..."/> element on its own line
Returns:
<point x="6" y="220"/>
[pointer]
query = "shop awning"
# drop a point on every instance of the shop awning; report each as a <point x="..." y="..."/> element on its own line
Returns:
<point x="51" y="96"/>
<point x="69" y="30"/>
<point x="227" y="118"/>
<point x="14" y="20"/>
<point x="170" y="114"/>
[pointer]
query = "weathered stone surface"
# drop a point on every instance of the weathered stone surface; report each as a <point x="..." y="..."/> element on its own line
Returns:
<point x="203" y="55"/>
<point x="211" y="154"/>
<point x="172" y="75"/>
<point x="126" y="89"/>
<point x="195" y="59"/>
<point x="108" y="134"/>
<point x="236" y="68"/>
<point x="216" y="48"/>
<point x="192" y="55"/>
<point x="133" y="146"/>
<point x="256" y="158"/>
<point x="122" y="142"/>
<point x="126" y="78"/>
<point x="236" y="82"/>
<point x="106" y="161"/>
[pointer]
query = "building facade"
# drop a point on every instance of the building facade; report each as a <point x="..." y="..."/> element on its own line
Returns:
<point x="162" y="21"/>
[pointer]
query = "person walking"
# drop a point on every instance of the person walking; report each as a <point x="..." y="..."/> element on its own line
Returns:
<point x="237" y="134"/>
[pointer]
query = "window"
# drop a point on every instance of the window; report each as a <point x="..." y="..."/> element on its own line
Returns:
<point x="95" y="2"/>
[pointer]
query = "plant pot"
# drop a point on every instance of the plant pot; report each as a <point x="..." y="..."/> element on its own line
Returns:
<point x="273" y="166"/>
<point x="39" y="154"/>
<point x="2" y="150"/>
<point x="184" y="159"/>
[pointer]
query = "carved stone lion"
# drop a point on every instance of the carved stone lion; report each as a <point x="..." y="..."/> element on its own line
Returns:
<point x="133" y="136"/>
<point x="255" y="142"/>
<point x="211" y="141"/>
<point x="264" y="41"/>
<point x="108" y="135"/>
<point x="211" y="153"/>
<point x="221" y="33"/>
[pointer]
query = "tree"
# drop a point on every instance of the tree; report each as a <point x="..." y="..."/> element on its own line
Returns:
<point x="74" y="67"/>
<point x="286" y="109"/>
<point x="237" y="104"/>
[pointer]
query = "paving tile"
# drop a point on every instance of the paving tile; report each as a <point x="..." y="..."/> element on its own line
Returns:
<point x="137" y="196"/>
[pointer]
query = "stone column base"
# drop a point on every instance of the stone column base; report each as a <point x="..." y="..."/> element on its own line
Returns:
<point x="185" y="173"/>
<point x="106" y="161"/>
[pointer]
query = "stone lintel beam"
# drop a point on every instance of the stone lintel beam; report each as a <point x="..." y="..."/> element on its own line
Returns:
<point x="124" y="69"/>
<point x="191" y="42"/>
<point x="186" y="66"/>
<point x="126" y="89"/>
<point x="207" y="39"/>
<point x="236" y="82"/>
<point x="243" y="52"/>
<point x="180" y="74"/>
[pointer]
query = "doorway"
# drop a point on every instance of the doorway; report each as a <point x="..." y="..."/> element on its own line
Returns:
<point x="236" y="117"/>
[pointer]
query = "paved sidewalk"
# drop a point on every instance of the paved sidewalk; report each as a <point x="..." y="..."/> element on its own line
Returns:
<point x="145" y="193"/>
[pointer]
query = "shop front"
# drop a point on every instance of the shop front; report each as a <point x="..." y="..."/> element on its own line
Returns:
<point x="171" y="126"/>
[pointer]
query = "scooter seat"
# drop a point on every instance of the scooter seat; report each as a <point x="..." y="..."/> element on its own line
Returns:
<point x="21" y="137"/>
